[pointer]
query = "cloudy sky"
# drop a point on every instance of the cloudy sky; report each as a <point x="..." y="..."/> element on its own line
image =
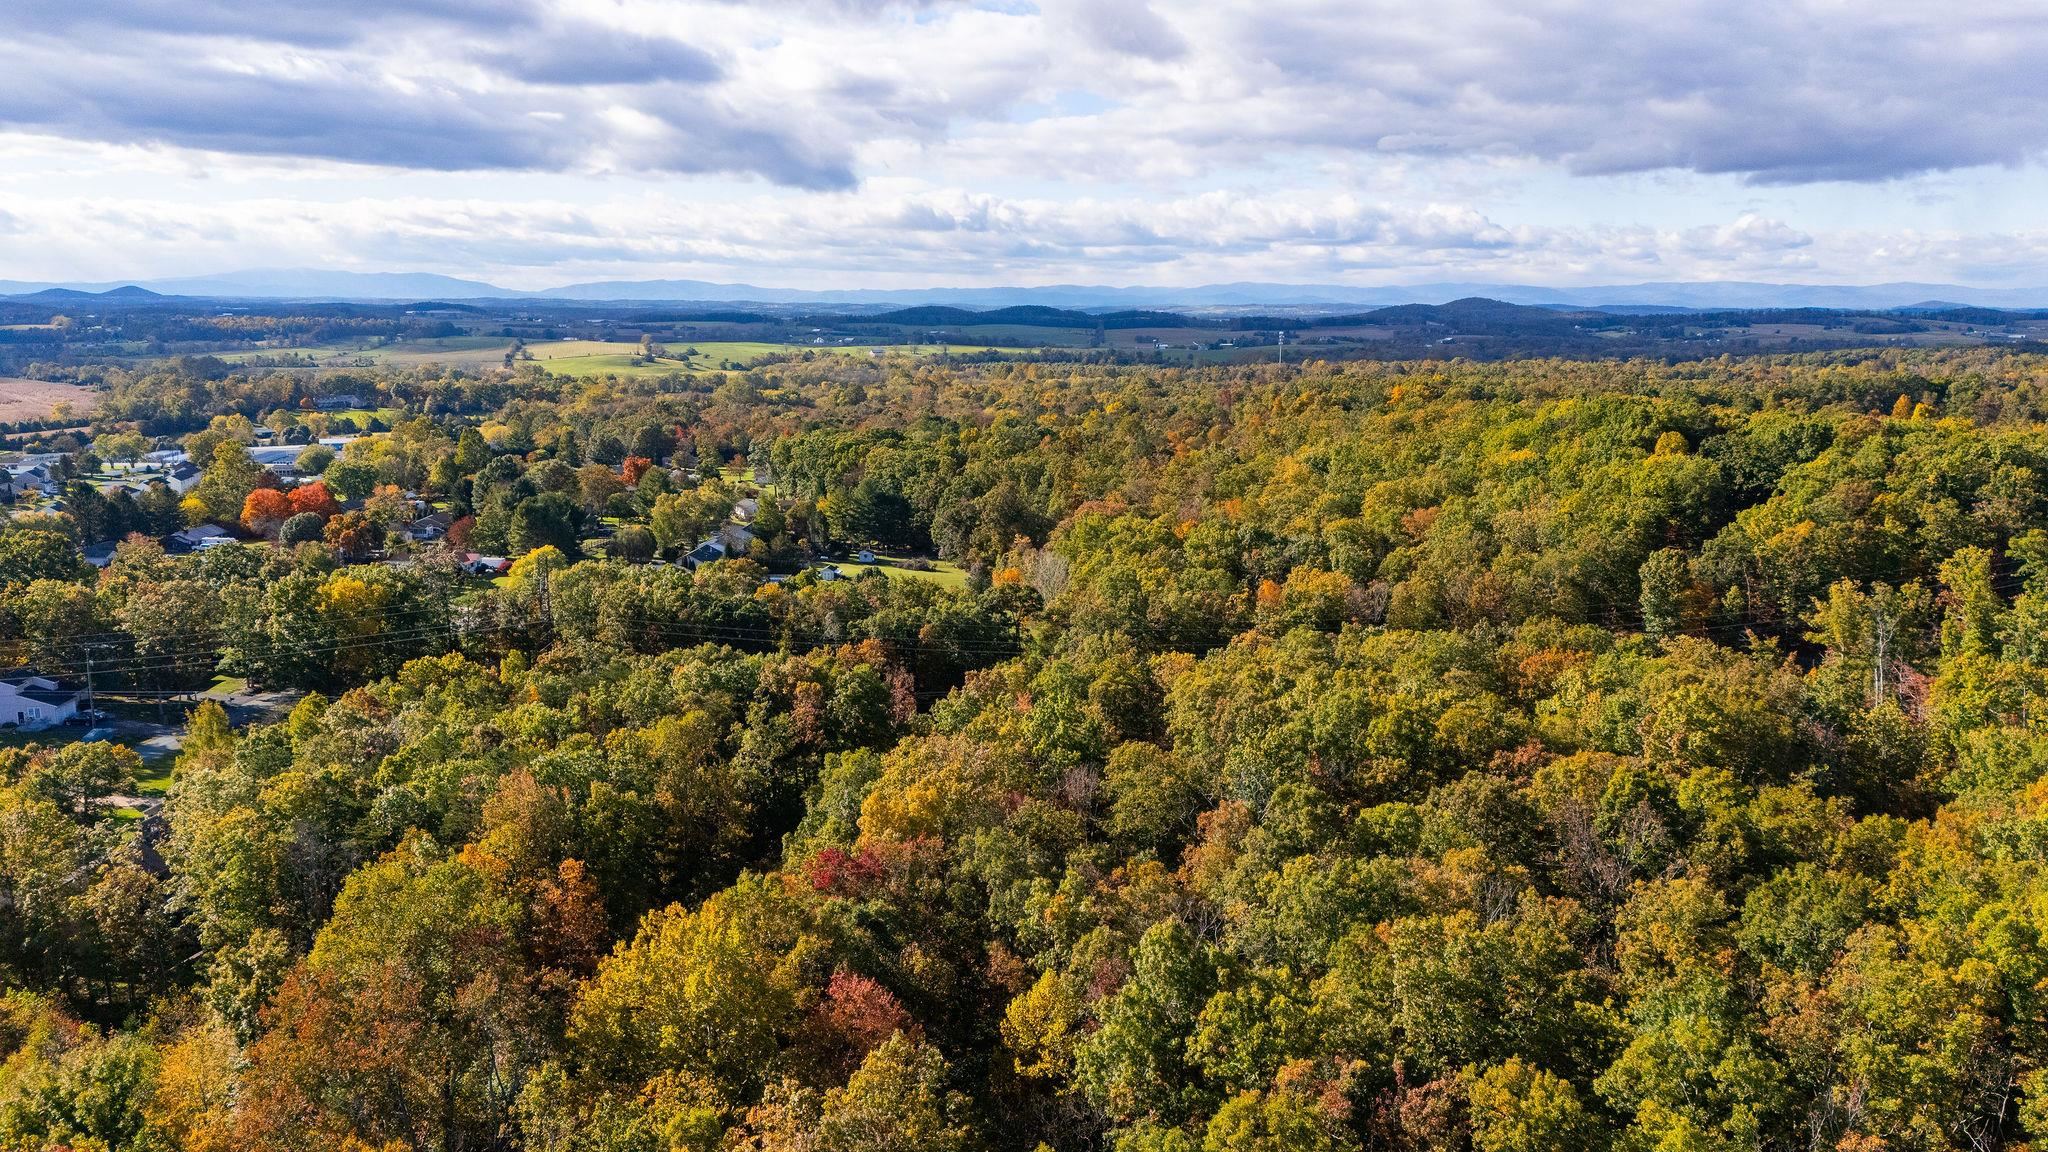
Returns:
<point x="849" y="143"/>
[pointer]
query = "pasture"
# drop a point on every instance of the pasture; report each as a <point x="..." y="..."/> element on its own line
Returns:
<point x="456" y="351"/>
<point x="39" y="399"/>
<point x="599" y="358"/>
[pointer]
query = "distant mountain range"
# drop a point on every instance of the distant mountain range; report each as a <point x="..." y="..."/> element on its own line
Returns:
<point x="318" y="284"/>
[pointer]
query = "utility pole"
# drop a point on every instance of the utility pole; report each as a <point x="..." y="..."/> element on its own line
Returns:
<point x="91" y="697"/>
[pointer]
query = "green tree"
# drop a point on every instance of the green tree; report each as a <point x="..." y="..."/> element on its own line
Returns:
<point x="1666" y="577"/>
<point x="1134" y="1066"/>
<point x="1517" y="1107"/>
<point x="316" y="459"/>
<point x="227" y="481"/>
<point x="349" y="479"/>
<point x="897" y="1101"/>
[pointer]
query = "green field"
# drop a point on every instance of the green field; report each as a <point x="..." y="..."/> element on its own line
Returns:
<point x="359" y="415"/>
<point x="478" y="350"/>
<point x="471" y="351"/>
<point x="617" y="358"/>
<point x="944" y="573"/>
<point x="599" y="358"/>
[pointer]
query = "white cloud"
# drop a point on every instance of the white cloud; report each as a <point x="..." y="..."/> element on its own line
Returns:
<point x="1774" y="90"/>
<point x="949" y="237"/>
<point x="1030" y="141"/>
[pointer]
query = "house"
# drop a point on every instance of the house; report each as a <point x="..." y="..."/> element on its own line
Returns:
<point x="745" y="510"/>
<point x="736" y="539"/>
<point x="32" y="478"/>
<point x="705" y="553"/>
<point x="101" y="554"/>
<point x="827" y="572"/>
<point x="429" y="528"/>
<point x="183" y="477"/>
<point x="30" y="702"/>
<point x="197" y="538"/>
<point x="340" y="402"/>
<point x="477" y="565"/>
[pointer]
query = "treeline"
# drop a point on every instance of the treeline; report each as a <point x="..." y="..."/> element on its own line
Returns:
<point x="1511" y="757"/>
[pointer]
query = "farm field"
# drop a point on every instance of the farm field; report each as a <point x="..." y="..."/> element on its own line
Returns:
<point x="38" y="399"/>
<point x="597" y="357"/>
<point x="1027" y="336"/>
<point x="606" y="357"/>
<point x="466" y="351"/>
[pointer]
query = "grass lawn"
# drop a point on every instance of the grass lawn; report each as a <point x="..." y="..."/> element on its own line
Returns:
<point x="944" y="573"/>
<point x="13" y="738"/>
<point x="154" y="781"/>
<point x="389" y="416"/>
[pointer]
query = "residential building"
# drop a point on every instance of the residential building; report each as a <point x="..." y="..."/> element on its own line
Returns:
<point x="29" y="702"/>
<point x="429" y="528"/>
<point x="196" y="538"/>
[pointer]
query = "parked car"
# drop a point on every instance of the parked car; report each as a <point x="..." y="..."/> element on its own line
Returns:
<point x="99" y="735"/>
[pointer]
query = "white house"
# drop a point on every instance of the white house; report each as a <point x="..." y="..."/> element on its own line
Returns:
<point x="30" y="702"/>
<point x="196" y="538"/>
<point x="33" y="478"/>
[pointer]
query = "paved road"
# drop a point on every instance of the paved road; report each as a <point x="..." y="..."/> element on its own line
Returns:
<point x="247" y="707"/>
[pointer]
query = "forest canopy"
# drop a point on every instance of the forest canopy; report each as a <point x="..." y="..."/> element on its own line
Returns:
<point x="1508" y="757"/>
